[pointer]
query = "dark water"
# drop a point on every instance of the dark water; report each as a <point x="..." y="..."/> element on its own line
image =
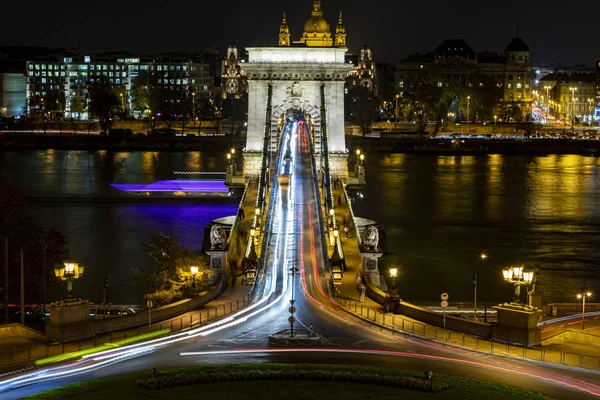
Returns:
<point x="440" y="212"/>
<point x="106" y="234"/>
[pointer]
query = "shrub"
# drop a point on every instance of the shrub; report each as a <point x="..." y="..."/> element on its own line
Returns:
<point x="186" y="379"/>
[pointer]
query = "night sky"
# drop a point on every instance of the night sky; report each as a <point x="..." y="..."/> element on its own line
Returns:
<point x="561" y="33"/>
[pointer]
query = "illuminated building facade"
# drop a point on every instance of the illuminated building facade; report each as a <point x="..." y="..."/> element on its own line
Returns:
<point x="455" y="62"/>
<point x="13" y="96"/>
<point x="364" y="72"/>
<point x="67" y="78"/>
<point x="233" y="77"/>
<point x="572" y="96"/>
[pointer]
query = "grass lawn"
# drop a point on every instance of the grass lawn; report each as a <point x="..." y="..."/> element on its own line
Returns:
<point x="124" y="387"/>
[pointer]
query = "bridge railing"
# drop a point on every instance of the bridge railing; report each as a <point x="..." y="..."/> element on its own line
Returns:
<point x="398" y="324"/>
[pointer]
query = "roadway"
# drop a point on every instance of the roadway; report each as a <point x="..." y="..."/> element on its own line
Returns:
<point x="244" y="337"/>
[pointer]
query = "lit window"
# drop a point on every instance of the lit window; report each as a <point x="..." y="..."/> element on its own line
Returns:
<point x="401" y="84"/>
<point x="519" y="86"/>
<point x="43" y="80"/>
<point x="91" y="67"/>
<point x="30" y="73"/>
<point x="439" y="84"/>
<point x="510" y="85"/>
<point x="159" y="68"/>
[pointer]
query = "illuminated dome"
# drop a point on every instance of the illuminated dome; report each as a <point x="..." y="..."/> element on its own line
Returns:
<point x="316" y="25"/>
<point x="317" y="32"/>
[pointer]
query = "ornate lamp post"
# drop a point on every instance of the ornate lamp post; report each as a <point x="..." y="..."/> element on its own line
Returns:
<point x="68" y="271"/>
<point x="582" y="296"/>
<point x="518" y="277"/>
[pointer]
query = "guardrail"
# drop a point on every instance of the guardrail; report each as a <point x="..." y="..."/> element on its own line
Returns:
<point x="403" y="325"/>
<point x="188" y="321"/>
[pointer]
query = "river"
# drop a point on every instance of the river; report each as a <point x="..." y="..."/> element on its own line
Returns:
<point x="440" y="213"/>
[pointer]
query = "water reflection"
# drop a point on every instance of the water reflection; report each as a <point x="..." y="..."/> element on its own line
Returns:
<point x="441" y="212"/>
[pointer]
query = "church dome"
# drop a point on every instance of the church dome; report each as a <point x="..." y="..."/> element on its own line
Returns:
<point x="517" y="44"/>
<point x="316" y="25"/>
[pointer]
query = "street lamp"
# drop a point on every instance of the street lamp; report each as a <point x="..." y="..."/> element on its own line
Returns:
<point x="518" y="277"/>
<point x="362" y="159"/>
<point x="68" y="271"/>
<point x="582" y="296"/>
<point x="194" y="270"/>
<point x="393" y="275"/>
<point x="229" y="158"/>
<point x="483" y="257"/>
<point x="495" y="120"/>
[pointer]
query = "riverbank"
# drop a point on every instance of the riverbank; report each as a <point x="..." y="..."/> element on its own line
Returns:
<point x="26" y="141"/>
<point x="475" y="146"/>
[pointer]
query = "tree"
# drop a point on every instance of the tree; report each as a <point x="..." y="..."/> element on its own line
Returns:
<point x="362" y="108"/>
<point x="54" y="103"/>
<point x="528" y="126"/>
<point x="104" y="103"/>
<point x="23" y="232"/>
<point x="171" y="279"/>
<point x="77" y="107"/>
<point x="147" y="96"/>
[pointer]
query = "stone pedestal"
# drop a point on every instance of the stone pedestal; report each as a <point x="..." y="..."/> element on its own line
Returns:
<point x="370" y="266"/>
<point x="218" y="263"/>
<point x="517" y="323"/>
<point x="252" y="163"/>
<point x="67" y="320"/>
<point x="338" y="165"/>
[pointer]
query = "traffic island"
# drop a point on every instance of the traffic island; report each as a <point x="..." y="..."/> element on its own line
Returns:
<point x="299" y="336"/>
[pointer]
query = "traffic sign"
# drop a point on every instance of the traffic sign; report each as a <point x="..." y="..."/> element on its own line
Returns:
<point x="444" y="304"/>
<point x="292" y="309"/>
<point x="291" y="320"/>
<point x="444" y="296"/>
<point x="149" y="303"/>
<point x="292" y="302"/>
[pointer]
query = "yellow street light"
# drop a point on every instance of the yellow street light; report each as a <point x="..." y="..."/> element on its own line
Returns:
<point x="583" y="296"/>
<point x="336" y="233"/>
<point x="517" y="275"/>
<point x="331" y="212"/>
<point x="69" y="271"/>
<point x="483" y="256"/>
<point x="393" y="272"/>
<point x="232" y="151"/>
<point x="252" y="232"/>
<point x="257" y="211"/>
<point x="358" y="152"/>
<point x="194" y="270"/>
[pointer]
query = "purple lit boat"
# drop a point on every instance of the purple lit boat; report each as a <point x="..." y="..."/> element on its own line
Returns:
<point x="176" y="188"/>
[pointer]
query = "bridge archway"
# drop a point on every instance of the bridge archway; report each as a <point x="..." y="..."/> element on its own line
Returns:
<point x="295" y="78"/>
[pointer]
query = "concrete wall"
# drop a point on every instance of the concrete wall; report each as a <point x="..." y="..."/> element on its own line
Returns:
<point x="89" y="328"/>
<point x="573" y="337"/>
<point x="20" y="331"/>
